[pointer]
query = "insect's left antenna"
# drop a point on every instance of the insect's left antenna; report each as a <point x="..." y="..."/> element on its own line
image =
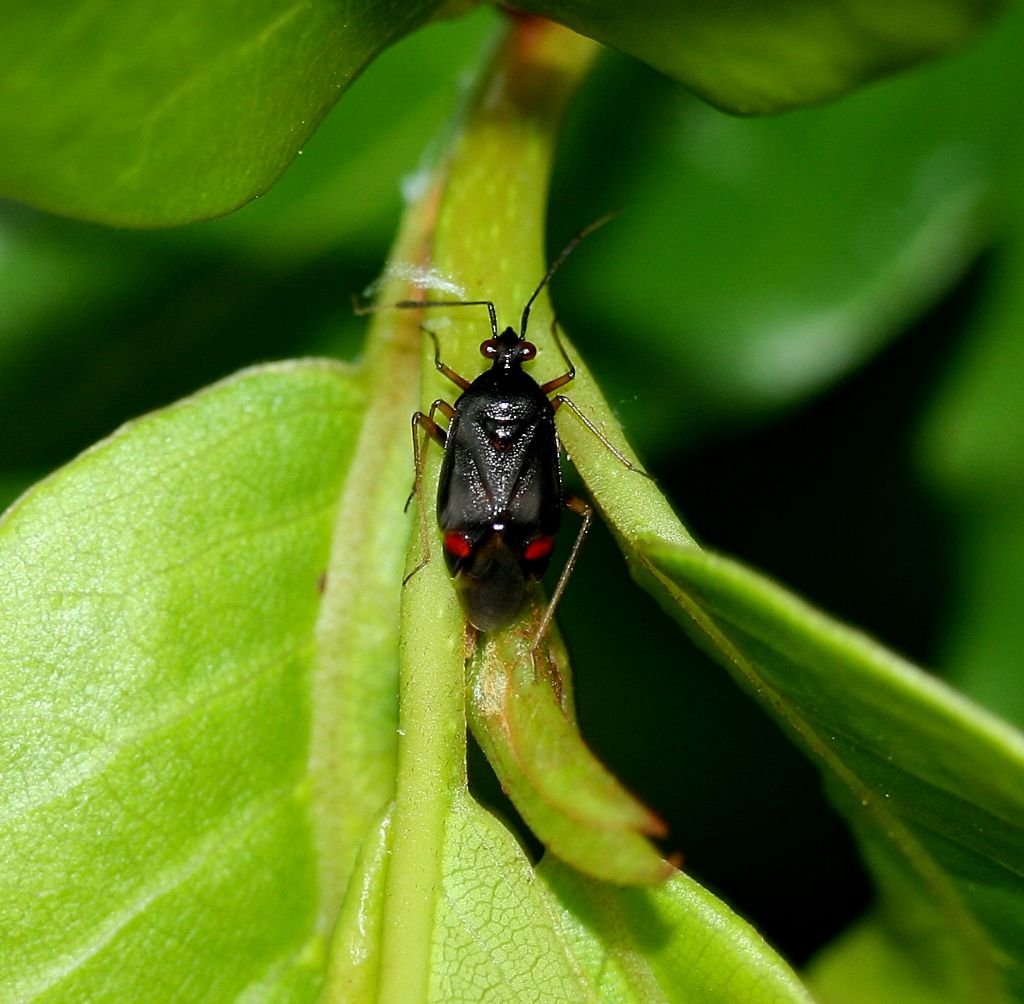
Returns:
<point x="557" y="263"/>
<point x="375" y="308"/>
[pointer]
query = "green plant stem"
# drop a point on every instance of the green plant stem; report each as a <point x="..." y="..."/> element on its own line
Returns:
<point x="431" y="745"/>
<point x="489" y="240"/>
<point x="353" y="748"/>
<point x="490" y="230"/>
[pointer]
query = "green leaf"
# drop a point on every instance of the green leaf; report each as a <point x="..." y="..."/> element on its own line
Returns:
<point x="672" y="943"/>
<point x="567" y="798"/>
<point x="758" y="261"/>
<point x="160" y="604"/>
<point x="500" y="934"/>
<point x="749" y="58"/>
<point x="934" y="785"/>
<point x="874" y="961"/>
<point x="971" y="451"/>
<point x="200" y="634"/>
<point x="148" y="115"/>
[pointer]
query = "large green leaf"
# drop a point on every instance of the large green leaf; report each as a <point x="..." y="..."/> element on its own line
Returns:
<point x="500" y="934"/>
<point x="934" y="785"/>
<point x="749" y="57"/>
<point x="159" y="615"/>
<point x="148" y="114"/>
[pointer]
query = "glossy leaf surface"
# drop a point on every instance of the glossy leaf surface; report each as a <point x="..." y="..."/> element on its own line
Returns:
<point x="150" y="115"/>
<point x="749" y="58"/>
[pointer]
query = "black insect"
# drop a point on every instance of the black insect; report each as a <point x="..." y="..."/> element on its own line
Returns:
<point x="500" y="495"/>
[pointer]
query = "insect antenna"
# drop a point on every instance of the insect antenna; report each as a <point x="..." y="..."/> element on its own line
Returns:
<point x="557" y="263"/>
<point x="360" y="309"/>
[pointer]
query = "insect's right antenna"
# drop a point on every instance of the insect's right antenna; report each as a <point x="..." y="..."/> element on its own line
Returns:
<point x="362" y="308"/>
<point x="557" y="263"/>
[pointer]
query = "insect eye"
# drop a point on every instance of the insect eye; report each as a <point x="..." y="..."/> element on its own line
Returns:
<point x="539" y="548"/>
<point x="526" y="350"/>
<point x="489" y="348"/>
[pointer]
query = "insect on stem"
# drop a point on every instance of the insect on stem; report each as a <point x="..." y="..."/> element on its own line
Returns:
<point x="500" y="497"/>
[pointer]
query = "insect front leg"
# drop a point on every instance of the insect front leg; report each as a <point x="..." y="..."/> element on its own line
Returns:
<point x="456" y="378"/>
<point x="570" y="373"/>
<point x="435" y="432"/>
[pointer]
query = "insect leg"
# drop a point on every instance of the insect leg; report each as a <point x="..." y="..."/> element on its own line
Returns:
<point x="456" y="378"/>
<point x="435" y="432"/>
<point x="569" y="374"/>
<point x="578" y="506"/>
<point x="557" y="402"/>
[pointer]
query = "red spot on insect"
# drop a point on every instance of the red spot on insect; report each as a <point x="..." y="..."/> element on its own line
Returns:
<point x="539" y="548"/>
<point x="457" y="545"/>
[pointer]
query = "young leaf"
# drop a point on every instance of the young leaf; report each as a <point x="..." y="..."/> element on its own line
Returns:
<point x="570" y="801"/>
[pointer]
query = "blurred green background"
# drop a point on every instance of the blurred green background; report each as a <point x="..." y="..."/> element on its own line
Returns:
<point x="809" y="325"/>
